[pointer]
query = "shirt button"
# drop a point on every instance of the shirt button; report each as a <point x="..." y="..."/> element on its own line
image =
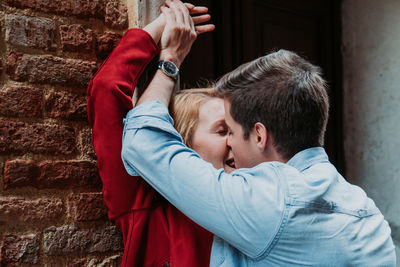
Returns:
<point x="361" y="213"/>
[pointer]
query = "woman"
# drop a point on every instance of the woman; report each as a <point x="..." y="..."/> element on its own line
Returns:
<point x="199" y="118"/>
<point x="154" y="232"/>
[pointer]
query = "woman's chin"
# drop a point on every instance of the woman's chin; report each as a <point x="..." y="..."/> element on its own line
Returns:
<point x="228" y="169"/>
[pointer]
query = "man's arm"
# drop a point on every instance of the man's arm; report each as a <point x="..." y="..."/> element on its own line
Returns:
<point x="244" y="208"/>
<point x="177" y="38"/>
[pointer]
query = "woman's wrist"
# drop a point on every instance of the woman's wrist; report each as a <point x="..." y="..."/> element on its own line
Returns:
<point x="156" y="28"/>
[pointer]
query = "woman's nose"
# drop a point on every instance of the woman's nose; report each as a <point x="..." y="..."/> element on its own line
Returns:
<point x="228" y="142"/>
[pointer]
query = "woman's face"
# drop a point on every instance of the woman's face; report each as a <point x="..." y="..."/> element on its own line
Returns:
<point x="209" y="137"/>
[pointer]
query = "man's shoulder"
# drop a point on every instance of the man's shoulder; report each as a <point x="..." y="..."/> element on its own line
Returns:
<point x="314" y="180"/>
<point x="264" y="170"/>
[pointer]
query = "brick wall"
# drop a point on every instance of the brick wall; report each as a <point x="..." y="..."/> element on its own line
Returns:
<point x="51" y="208"/>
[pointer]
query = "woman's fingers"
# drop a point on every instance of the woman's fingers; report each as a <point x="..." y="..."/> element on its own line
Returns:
<point x="180" y="31"/>
<point x="204" y="28"/>
<point x="196" y="9"/>
<point x="189" y="6"/>
<point x="193" y="10"/>
<point x="201" y="19"/>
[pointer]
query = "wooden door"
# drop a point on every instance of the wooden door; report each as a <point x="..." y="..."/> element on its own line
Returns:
<point x="248" y="29"/>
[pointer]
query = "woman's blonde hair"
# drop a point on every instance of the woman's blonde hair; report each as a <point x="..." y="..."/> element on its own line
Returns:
<point x="185" y="110"/>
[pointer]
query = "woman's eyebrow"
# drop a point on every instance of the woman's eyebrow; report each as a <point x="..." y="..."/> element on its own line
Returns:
<point x="219" y="122"/>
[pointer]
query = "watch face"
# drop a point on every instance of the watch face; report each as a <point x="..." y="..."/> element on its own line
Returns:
<point x="170" y="68"/>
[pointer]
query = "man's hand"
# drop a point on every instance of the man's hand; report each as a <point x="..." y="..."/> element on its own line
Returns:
<point x="181" y="30"/>
<point x="177" y="37"/>
<point x="156" y="27"/>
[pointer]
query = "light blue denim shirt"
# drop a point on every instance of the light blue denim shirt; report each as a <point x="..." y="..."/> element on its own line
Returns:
<point x="302" y="213"/>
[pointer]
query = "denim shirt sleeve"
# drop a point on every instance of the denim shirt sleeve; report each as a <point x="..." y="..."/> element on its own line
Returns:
<point x="238" y="207"/>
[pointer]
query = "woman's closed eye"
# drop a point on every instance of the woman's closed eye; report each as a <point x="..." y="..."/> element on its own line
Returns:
<point x="222" y="131"/>
<point x="220" y="128"/>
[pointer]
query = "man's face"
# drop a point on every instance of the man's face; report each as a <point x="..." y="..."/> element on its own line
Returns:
<point x="244" y="151"/>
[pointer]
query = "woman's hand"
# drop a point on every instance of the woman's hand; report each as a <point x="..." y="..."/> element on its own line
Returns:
<point x="178" y="35"/>
<point x="156" y="27"/>
<point x="180" y="30"/>
<point x="194" y="10"/>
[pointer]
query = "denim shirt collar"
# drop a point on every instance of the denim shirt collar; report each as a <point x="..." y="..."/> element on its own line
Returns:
<point x="308" y="157"/>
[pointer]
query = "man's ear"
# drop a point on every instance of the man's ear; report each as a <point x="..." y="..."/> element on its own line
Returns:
<point x="260" y="135"/>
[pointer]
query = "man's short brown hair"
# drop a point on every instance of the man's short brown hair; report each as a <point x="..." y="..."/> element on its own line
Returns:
<point x="285" y="93"/>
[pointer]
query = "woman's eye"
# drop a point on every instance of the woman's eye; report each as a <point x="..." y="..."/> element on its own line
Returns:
<point x="222" y="132"/>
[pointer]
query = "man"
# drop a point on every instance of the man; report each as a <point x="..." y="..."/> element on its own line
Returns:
<point x="285" y="205"/>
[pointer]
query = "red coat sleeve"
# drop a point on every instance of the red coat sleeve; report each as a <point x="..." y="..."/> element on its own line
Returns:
<point x="109" y="99"/>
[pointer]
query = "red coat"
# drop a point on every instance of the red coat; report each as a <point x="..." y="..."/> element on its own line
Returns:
<point x="155" y="233"/>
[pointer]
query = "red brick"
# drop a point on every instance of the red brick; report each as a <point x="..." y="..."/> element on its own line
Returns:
<point x="106" y="42"/>
<point x="87" y="207"/>
<point x="69" y="239"/>
<point x="51" y="174"/>
<point x="82" y="8"/>
<point x="85" y="143"/>
<point x="74" y="173"/>
<point x="76" y="39"/>
<point x="21" y="101"/>
<point x="78" y="263"/>
<point x="11" y="62"/>
<point x="19" y="173"/>
<point x="21" y="211"/>
<point x="30" y="31"/>
<point x="116" y="15"/>
<point x="20" y="137"/>
<point x="112" y="261"/>
<point x="65" y="105"/>
<point x="17" y="250"/>
<point x="50" y="69"/>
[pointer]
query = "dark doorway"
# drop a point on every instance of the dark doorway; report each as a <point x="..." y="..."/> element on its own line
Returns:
<point x="248" y="29"/>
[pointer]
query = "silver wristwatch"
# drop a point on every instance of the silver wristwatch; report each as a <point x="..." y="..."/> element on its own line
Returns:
<point x="169" y="68"/>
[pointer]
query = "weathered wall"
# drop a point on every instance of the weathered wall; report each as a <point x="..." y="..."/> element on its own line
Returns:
<point x="371" y="74"/>
<point x="51" y="207"/>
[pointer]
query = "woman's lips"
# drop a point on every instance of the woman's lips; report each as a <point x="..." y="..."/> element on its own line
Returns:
<point x="231" y="163"/>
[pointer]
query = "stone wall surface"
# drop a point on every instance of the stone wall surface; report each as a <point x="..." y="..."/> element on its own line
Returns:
<point x="371" y="68"/>
<point x="51" y="206"/>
